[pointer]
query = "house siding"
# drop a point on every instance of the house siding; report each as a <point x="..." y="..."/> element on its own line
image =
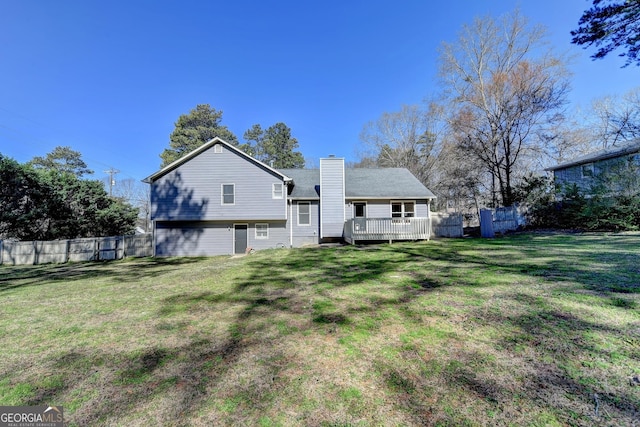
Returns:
<point x="207" y="238"/>
<point x="278" y="236"/>
<point x="331" y="197"/>
<point x="600" y="167"/>
<point x="382" y="208"/>
<point x="586" y="175"/>
<point x="572" y="176"/>
<point x="190" y="218"/>
<point x="199" y="238"/>
<point x="305" y="234"/>
<point x="422" y="209"/>
<point x="193" y="191"/>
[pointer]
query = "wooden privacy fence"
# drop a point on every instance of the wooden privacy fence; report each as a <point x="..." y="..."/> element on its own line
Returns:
<point x="500" y="220"/>
<point x="447" y="224"/>
<point x="506" y="219"/>
<point x="88" y="249"/>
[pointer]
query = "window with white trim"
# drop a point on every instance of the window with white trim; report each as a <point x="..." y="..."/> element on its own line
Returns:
<point x="276" y="191"/>
<point x="228" y="194"/>
<point x="217" y="148"/>
<point x="403" y="209"/>
<point x="304" y="213"/>
<point x="262" y="231"/>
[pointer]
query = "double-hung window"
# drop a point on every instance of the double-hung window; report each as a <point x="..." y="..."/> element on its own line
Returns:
<point x="403" y="209"/>
<point x="276" y="191"/>
<point x="304" y="213"/>
<point x="262" y="231"/>
<point x="228" y="194"/>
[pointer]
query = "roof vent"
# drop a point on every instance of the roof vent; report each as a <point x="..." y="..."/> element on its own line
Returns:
<point x="332" y="155"/>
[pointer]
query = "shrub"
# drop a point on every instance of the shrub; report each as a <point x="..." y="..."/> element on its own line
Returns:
<point x="606" y="206"/>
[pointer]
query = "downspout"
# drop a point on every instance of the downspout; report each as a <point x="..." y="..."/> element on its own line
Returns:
<point x="290" y="223"/>
<point x="153" y="238"/>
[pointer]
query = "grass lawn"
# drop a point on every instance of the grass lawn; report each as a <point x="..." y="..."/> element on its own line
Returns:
<point x="529" y="329"/>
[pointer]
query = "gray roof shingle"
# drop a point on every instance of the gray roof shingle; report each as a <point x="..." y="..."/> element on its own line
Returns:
<point x="392" y="183"/>
<point x="306" y="182"/>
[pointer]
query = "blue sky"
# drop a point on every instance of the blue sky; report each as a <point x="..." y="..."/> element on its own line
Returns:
<point x="110" y="78"/>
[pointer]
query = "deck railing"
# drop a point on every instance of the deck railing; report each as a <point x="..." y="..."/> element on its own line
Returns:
<point x="387" y="229"/>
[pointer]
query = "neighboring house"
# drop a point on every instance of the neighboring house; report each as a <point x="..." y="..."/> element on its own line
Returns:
<point x="218" y="200"/>
<point x="595" y="168"/>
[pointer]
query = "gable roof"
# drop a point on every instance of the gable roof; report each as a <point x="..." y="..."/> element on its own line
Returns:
<point x="202" y="148"/>
<point x="607" y="153"/>
<point x="383" y="183"/>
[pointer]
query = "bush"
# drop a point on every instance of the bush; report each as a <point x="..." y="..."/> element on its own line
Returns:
<point x="52" y="204"/>
<point x="603" y="209"/>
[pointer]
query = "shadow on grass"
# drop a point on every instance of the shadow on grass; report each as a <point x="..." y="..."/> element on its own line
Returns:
<point x="14" y="277"/>
<point x="191" y="370"/>
<point x="560" y="340"/>
<point x="285" y="286"/>
<point x="599" y="262"/>
<point x="299" y="284"/>
<point x="124" y="380"/>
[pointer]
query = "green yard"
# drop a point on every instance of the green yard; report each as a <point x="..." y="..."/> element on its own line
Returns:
<point x="530" y="329"/>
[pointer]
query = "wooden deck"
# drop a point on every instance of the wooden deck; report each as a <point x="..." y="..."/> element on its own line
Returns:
<point x="363" y="229"/>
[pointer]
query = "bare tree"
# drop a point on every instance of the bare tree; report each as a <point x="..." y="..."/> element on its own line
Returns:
<point x="506" y="91"/>
<point x="567" y="142"/>
<point x="137" y="194"/>
<point x="407" y="138"/>
<point x="617" y="119"/>
<point x="460" y="181"/>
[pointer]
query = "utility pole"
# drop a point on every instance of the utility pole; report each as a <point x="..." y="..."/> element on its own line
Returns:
<point x="112" y="181"/>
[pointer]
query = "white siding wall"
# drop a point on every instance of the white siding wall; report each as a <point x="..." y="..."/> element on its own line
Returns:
<point x="382" y="208"/>
<point x="422" y="209"/>
<point x="331" y="197"/>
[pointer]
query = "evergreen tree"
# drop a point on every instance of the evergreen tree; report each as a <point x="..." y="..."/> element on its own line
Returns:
<point x="274" y="146"/>
<point x="192" y="130"/>
<point x="24" y="201"/>
<point x="611" y="25"/>
<point x="62" y="159"/>
<point x="56" y="204"/>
